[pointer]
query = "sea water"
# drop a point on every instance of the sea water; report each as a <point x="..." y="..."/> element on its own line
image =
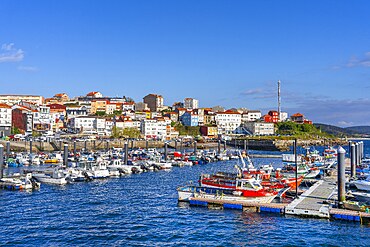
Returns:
<point x="142" y="210"/>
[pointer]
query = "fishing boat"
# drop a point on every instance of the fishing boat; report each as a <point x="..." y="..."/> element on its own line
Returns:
<point x="249" y="187"/>
<point x="185" y="193"/>
<point x="289" y="170"/>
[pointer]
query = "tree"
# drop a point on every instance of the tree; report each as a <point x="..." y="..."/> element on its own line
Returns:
<point x="131" y="132"/>
<point x="116" y="132"/>
<point x="15" y="130"/>
<point x="100" y="113"/>
<point x="117" y="113"/>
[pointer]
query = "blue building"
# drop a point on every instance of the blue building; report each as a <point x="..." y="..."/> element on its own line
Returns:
<point x="189" y="119"/>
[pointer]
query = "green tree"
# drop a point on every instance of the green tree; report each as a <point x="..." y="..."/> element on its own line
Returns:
<point x="15" y="130"/>
<point x="100" y="113"/>
<point x="116" y="132"/>
<point x="131" y="132"/>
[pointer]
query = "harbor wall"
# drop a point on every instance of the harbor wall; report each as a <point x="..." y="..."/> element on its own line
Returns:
<point x="252" y="144"/>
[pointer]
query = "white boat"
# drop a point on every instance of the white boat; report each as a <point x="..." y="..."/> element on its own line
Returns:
<point x="362" y="196"/>
<point x="35" y="160"/>
<point x="100" y="170"/>
<point x="73" y="174"/>
<point x="362" y="184"/>
<point x="55" y="176"/>
<point x="26" y="183"/>
<point x="117" y="165"/>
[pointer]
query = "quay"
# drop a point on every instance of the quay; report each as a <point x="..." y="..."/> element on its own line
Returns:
<point x="310" y="205"/>
<point x="311" y="202"/>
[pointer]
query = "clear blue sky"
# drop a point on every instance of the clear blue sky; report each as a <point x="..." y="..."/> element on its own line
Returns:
<point x="228" y="53"/>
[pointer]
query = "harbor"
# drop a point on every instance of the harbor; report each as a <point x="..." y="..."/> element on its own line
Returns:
<point x="136" y="208"/>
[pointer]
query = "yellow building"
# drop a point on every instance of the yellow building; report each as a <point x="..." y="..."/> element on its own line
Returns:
<point x="98" y="106"/>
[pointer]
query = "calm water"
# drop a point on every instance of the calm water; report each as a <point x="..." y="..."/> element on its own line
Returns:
<point x="142" y="210"/>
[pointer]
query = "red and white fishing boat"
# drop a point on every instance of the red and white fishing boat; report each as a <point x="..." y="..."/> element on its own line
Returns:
<point x="247" y="187"/>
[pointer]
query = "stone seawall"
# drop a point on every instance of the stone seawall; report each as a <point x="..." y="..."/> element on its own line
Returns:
<point x="22" y="146"/>
<point x="281" y="145"/>
<point x="253" y="144"/>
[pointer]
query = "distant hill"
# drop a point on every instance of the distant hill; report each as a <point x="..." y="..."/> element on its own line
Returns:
<point x="349" y="131"/>
<point x="365" y="130"/>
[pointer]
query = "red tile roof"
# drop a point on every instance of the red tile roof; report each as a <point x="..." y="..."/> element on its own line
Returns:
<point x="91" y="93"/>
<point x="5" y="106"/>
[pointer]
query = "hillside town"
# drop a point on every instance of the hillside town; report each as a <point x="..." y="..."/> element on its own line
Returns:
<point x="96" y="114"/>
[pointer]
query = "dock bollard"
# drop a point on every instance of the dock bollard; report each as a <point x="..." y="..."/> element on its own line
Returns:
<point x="126" y="153"/>
<point x="1" y="160"/>
<point x="74" y="149"/>
<point x="356" y="154"/>
<point x="296" y="167"/>
<point x="7" y="150"/>
<point x="341" y="176"/>
<point x="165" y="151"/>
<point x="65" y="155"/>
<point x="353" y="160"/>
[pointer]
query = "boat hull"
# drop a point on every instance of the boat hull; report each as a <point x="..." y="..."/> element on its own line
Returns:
<point x="187" y="192"/>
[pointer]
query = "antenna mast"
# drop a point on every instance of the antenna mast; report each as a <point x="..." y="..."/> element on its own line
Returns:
<point x="279" y="100"/>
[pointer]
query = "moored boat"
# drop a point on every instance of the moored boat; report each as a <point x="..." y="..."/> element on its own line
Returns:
<point x="363" y="184"/>
<point x="185" y="193"/>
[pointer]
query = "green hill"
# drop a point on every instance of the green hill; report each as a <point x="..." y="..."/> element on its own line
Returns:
<point x="365" y="130"/>
<point x="355" y="131"/>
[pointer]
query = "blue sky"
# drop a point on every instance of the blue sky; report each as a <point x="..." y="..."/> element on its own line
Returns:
<point x="228" y="53"/>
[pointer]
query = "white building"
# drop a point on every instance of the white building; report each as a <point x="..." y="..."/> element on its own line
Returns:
<point x="260" y="128"/>
<point x="128" y="106"/>
<point x="42" y="120"/>
<point x="127" y="122"/>
<point x="76" y="111"/>
<point x="190" y="103"/>
<point x="5" y="120"/>
<point x="88" y="124"/>
<point x="153" y="129"/>
<point x="110" y="108"/>
<point x="251" y="116"/>
<point x="227" y="121"/>
<point x="12" y="99"/>
<point x="283" y="116"/>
